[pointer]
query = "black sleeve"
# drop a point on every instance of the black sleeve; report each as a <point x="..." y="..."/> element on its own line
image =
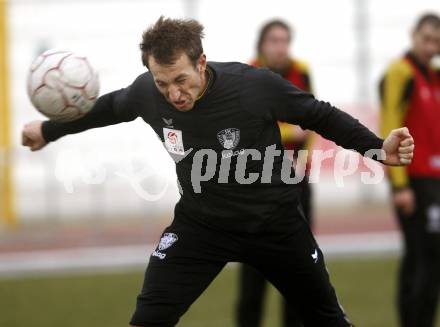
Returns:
<point x="111" y="108"/>
<point x="270" y="96"/>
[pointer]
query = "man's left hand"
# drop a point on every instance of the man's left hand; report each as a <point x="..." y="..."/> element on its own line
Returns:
<point x="398" y="147"/>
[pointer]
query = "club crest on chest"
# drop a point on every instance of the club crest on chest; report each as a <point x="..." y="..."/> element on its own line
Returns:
<point x="229" y="137"/>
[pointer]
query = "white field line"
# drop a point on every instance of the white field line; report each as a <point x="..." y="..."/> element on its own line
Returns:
<point x="129" y="256"/>
<point x="360" y="244"/>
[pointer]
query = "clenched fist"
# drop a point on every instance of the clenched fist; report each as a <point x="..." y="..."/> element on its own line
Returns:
<point x="398" y="147"/>
<point x="32" y="135"/>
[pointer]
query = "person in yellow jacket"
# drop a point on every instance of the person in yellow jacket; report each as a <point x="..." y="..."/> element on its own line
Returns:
<point x="410" y="96"/>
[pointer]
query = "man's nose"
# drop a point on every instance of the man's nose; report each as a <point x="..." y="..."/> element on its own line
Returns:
<point x="174" y="94"/>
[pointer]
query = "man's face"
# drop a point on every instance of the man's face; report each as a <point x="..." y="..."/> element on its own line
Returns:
<point x="275" y="47"/>
<point x="426" y="42"/>
<point x="180" y="82"/>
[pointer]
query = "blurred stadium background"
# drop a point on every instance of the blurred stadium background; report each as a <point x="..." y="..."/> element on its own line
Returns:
<point x="75" y="230"/>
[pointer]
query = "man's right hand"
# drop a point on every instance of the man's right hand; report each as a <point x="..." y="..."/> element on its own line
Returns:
<point x="404" y="200"/>
<point x="32" y="135"/>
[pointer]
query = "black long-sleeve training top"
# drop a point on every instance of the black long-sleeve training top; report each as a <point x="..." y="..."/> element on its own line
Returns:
<point x="239" y="111"/>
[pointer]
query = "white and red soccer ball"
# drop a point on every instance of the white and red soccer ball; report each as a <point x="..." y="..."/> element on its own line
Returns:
<point x="62" y="85"/>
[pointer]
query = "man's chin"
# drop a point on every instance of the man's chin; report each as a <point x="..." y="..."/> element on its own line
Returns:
<point x="185" y="107"/>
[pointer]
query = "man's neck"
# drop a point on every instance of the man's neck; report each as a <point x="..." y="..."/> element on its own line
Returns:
<point x="206" y="77"/>
<point x="418" y="59"/>
<point x="282" y="69"/>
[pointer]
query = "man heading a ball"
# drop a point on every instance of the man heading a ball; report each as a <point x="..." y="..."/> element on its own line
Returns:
<point x="225" y="115"/>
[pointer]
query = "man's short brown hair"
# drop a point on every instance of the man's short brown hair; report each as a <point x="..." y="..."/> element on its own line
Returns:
<point x="168" y="38"/>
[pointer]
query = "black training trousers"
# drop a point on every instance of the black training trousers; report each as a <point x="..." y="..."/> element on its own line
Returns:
<point x="253" y="285"/>
<point x="190" y="255"/>
<point x="419" y="280"/>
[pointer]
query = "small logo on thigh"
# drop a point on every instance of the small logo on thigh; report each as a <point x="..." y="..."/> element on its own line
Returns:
<point x="166" y="241"/>
<point x="433" y="223"/>
<point x="315" y="256"/>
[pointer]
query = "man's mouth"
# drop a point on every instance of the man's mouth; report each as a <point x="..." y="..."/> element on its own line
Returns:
<point x="179" y="104"/>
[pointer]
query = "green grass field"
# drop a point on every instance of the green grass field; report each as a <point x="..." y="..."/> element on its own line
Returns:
<point x="365" y="288"/>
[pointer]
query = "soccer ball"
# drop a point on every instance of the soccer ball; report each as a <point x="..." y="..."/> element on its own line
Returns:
<point x="62" y="85"/>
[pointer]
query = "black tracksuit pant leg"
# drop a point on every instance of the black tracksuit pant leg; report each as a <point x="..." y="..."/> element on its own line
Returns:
<point x="419" y="277"/>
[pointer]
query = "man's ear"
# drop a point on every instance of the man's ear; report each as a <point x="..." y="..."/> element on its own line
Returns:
<point x="202" y="62"/>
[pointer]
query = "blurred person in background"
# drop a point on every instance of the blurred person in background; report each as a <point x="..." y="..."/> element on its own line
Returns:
<point x="410" y="96"/>
<point x="273" y="46"/>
